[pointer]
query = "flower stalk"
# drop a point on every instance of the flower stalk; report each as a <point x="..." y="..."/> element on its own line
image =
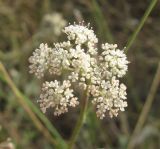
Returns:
<point x="139" y="27"/>
<point x="81" y="119"/>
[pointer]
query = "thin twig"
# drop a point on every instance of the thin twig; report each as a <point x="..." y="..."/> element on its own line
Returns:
<point x="146" y="108"/>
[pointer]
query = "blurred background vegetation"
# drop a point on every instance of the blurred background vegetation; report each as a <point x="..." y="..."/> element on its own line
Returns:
<point x="26" y="23"/>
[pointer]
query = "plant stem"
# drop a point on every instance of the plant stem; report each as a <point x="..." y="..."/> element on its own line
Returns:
<point x="146" y="108"/>
<point x="80" y="120"/>
<point x="28" y="105"/>
<point x="139" y="27"/>
<point x="60" y="142"/>
<point x="25" y="106"/>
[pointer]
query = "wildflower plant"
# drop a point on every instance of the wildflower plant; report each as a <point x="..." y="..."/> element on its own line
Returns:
<point x="81" y="65"/>
<point x="82" y="70"/>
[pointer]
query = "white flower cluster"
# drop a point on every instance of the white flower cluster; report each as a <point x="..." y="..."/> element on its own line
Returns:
<point x="109" y="95"/>
<point x="54" y="21"/>
<point x="114" y="60"/>
<point x="82" y="35"/>
<point x="7" y="144"/>
<point x="79" y="60"/>
<point x="57" y="96"/>
<point x="39" y="61"/>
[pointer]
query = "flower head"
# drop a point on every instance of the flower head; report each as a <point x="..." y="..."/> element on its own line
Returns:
<point x="57" y="96"/>
<point x="82" y="64"/>
<point x="113" y="60"/>
<point x="40" y="60"/>
<point x="55" y="22"/>
<point x="81" y="34"/>
<point x="109" y="96"/>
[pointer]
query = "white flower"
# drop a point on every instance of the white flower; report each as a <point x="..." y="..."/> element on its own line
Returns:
<point x="83" y="66"/>
<point x="113" y="60"/>
<point x="58" y="96"/>
<point x="73" y="76"/>
<point x="58" y="61"/>
<point x="110" y="97"/>
<point x="40" y="60"/>
<point x="82" y="35"/>
<point x="55" y="21"/>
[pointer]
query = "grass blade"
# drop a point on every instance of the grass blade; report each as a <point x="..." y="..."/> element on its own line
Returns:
<point x="31" y="109"/>
<point x="139" y="27"/>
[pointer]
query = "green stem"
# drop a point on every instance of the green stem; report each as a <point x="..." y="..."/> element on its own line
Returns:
<point x="143" y="116"/>
<point x="32" y="115"/>
<point x="33" y="111"/>
<point x="55" y="134"/>
<point x="144" y="18"/>
<point x="80" y="120"/>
